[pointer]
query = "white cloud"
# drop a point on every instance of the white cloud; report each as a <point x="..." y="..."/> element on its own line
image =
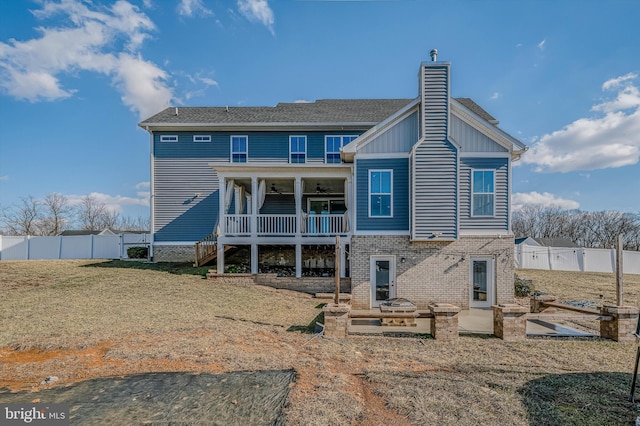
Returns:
<point x="541" y="44"/>
<point x="193" y="7"/>
<point x="115" y="203"/>
<point x="495" y="96"/>
<point x="606" y="141"/>
<point x="142" y="85"/>
<point x="546" y="199"/>
<point x="257" y="10"/>
<point x="301" y="101"/>
<point x="4" y="178"/>
<point x="101" y="39"/>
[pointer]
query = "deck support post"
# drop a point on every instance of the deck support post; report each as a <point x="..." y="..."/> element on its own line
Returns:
<point x="254" y="259"/>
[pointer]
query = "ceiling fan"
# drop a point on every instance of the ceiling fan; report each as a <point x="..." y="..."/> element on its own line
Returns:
<point x="275" y="190"/>
<point x="322" y="190"/>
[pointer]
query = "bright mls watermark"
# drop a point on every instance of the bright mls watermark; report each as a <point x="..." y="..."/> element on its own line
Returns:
<point x="34" y="414"/>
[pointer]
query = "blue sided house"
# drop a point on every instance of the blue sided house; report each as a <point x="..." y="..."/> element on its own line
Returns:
<point x="417" y="189"/>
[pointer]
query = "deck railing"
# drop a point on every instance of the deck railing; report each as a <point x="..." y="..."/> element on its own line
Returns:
<point x="277" y="224"/>
<point x="286" y="224"/>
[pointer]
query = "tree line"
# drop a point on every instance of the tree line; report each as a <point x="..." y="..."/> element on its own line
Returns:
<point x="55" y="213"/>
<point x="587" y="229"/>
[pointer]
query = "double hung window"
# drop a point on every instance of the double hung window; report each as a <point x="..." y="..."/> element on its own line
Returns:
<point x="297" y="149"/>
<point x="332" y="145"/>
<point x="483" y="189"/>
<point x="239" y="149"/>
<point x="381" y="193"/>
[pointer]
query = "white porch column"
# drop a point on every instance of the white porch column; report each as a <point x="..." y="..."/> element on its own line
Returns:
<point x="254" y="214"/>
<point x="254" y="258"/>
<point x="351" y="211"/>
<point x="298" y="260"/>
<point x="298" y="197"/>
<point x="222" y="220"/>
<point x="220" y="259"/>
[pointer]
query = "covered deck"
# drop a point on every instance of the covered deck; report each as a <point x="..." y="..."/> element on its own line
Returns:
<point x="292" y="204"/>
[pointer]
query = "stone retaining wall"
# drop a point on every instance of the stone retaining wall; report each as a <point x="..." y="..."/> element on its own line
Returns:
<point x="311" y="285"/>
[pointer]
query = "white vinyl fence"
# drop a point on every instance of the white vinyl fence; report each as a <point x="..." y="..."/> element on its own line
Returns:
<point x="575" y="259"/>
<point x="70" y="247"/>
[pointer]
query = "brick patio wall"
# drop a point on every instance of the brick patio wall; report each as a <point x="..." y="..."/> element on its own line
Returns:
<point x="433" y="272"/>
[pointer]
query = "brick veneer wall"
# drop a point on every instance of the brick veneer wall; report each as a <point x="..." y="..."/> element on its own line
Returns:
<point x="433" y="272"/>
<point x="174" y="253"/>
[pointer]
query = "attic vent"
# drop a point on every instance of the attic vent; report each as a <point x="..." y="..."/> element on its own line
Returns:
<point x="176" y="110"/>
<point x="434" y="54"/>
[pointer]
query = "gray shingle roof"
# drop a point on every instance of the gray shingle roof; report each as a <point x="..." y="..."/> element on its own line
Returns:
<point x="477" y="109"/>
<point x="320" y="111"/>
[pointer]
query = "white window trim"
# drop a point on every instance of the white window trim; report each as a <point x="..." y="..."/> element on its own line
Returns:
<point x="298" y="152"/>
<point x="342" y="138"/>
<point x="246" y="153"/>
<point x="390" y="171"/>
<point x="202" y="138"/>
<point x="169" y="138"/>
<point x="493" y="214"/>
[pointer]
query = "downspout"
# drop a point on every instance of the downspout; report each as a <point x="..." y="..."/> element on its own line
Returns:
<point x="152" y="193"/>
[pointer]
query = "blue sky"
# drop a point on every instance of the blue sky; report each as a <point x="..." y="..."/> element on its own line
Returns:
<point x="76" y="77"/>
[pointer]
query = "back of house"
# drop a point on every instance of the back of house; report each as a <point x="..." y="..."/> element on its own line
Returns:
<point x="417" y="189"/>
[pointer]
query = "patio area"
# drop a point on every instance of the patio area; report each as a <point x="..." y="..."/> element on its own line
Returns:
<point x="470" y="321"/>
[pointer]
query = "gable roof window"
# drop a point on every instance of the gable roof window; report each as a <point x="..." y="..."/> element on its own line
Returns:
<point x="380" y="193"/>
<point x="297" y="149"/>
<point x="483" y="198"/>
<point x="239" y="149"/>
<point x="332" y="145"/>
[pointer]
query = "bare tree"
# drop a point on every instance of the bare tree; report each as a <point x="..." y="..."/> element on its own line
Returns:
<point x="134" y="224"/>
<point x="22" y="219"/>
<point x="91" y="213"/>
<point x="58" y="213"/>
<point x="588" y="229"/>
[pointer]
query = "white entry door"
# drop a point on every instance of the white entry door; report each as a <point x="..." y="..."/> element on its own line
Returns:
<point x="482" y="283"/>
<point x="383" y="279"/>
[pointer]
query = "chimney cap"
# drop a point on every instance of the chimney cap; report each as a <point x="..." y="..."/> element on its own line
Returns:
<point x="434" y="55"/>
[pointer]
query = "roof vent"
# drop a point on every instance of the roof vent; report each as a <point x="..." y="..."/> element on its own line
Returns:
<point x="176" y="110"/>
<point x="434" y="54"/>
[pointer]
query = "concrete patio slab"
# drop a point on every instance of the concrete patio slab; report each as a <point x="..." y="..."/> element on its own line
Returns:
<point x="470" y="321"/>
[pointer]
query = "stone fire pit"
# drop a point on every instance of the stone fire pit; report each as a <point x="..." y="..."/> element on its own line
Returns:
<point x="398" y="311"/>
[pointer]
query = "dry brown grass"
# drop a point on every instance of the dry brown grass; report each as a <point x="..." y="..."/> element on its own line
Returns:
<point x="79" y="322"/>
<point x="584" y="285"/>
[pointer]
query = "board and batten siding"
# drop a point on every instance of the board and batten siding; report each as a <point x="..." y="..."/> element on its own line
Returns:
<point x="470" y="139"/>
<point x="400" y="219"/>
<point x="500" y="220"/>
<point x="434" y="161"/>
<point x="399" y="138"/>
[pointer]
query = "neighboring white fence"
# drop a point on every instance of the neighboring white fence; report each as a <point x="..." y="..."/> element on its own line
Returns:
<point x="70" y="247"/>
<point x="575" y="259"/>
